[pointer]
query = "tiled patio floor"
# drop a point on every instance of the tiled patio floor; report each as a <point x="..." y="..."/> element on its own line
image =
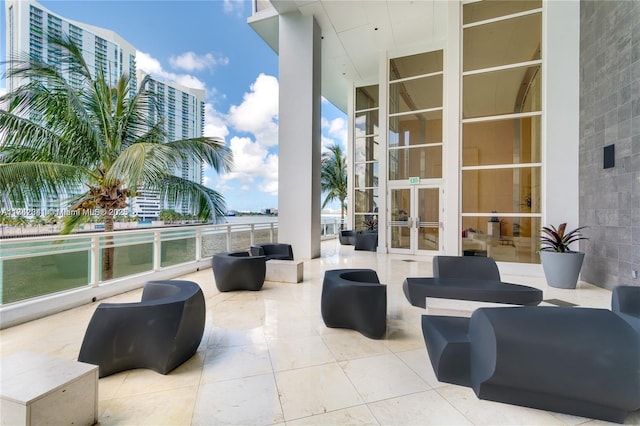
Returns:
<point x="267" y="358"/>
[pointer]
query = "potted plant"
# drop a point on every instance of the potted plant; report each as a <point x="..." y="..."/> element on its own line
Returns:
<point x="561" y="265"/>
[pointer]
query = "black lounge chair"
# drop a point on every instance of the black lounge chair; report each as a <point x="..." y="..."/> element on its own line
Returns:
<point x="160" y="332"/>
<point x="238" y="271"/>
<point x="347" y="237"/>
<point x="578" y="361"/>
<point x="355" y="299"/>
<point x="277" y="251"/>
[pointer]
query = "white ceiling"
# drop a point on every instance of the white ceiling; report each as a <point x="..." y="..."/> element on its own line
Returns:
<point x="355" y="32"/>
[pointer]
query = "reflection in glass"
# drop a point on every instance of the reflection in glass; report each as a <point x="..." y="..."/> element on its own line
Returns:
<point x="501" y="190"/>
<point x="517" y="240"/>
<point x="366" y="200"/>
<point x="417" y="94"/>
<point x="424" y="162"/>
<point x="501" y="43"/>
<point x="35" y="276"/>
<point x="366" y="149"/>
<point x="366" y="97"/>
<point x="365" y="175"/>
<point x="366" y="123"/>
<point x="133" y="259"/>
<point x="177" y="251"/>
<point x="481" y="11"/>
<point x="507" y="91"/>
<point x="415" y="129"/>
<point x="513" y="141"/>
<point x="429" y="217"/>
<point x="400" y="223"/>
<point x="414" y="65"/>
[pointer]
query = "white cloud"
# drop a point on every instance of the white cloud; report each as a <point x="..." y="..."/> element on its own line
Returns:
<point x="189" y="61"/>
<point x="336" y="130"/>
<point x="251" y="162"/>
<point x="231" y="6"/>
<point x="258" y="112"/>
<point x="152" y="66"/>
<point x="214" y="122"/>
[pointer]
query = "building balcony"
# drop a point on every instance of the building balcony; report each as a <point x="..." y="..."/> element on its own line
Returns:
<point x="267" y="358"/>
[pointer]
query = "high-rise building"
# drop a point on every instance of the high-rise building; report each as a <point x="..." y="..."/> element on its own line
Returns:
<point x="181" y="110"/>
<point x="28" y="25"/>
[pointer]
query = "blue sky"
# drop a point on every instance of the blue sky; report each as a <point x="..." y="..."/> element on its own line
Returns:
<point x="208" y="44"/>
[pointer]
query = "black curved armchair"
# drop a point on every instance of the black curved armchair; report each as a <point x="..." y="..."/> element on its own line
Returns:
<point x="160" y="332"/>
<point x="270" y="251"/>
<point x="355" y="299"/>
<point x="238" y="271"/>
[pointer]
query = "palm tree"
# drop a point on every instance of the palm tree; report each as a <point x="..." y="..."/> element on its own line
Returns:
<point x="21" y="222"/>
<point x="333" y="177"/>
<point x="96" y="140"/>
<point x="51" y="219"/>
<point x="37" y="221"/>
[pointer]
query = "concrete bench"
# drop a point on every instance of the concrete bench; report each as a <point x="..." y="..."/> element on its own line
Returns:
<point x="38" y="389"/>
<point x="288" y="271"/>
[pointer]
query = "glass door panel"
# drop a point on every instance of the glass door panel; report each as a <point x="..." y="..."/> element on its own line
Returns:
<point x="428" y="218"/>
<point x="400" y="224"/>
<point x="414" y="224"/>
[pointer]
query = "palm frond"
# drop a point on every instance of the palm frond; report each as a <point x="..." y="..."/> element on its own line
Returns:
<point x="211" y="151"/>
<point x="33" y="181"/>
<point x="204" y="202"/>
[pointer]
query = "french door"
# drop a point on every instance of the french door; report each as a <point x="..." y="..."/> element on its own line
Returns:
<point x="415" y="219"/>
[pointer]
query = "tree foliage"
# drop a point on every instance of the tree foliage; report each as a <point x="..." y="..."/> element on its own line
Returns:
<point x="90" y="141"/>
<point x="333" y="177"/>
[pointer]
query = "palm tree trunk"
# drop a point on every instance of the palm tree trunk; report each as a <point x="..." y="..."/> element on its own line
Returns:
<point x="108" y="251"/>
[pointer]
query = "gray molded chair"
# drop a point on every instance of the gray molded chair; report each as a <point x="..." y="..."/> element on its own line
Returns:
<point x="270" y="251"/>
<point x="160" y="332"/>
<point x="238" y="271"/>
<point x="578" y="361"/>
<point x="466" y="267"/>
<point x="625" y="301"/>
<point x="355" y="299"/>
<point x="347" y="237"/>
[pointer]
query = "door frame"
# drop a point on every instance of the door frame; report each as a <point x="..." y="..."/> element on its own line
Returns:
<point x="413" y="216"/>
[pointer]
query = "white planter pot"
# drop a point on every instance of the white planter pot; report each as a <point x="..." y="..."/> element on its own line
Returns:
<point x="561" y="269"/>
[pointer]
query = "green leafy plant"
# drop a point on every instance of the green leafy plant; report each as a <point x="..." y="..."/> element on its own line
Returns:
<point x="370" y="224"/>
<point x="558" y="239"/>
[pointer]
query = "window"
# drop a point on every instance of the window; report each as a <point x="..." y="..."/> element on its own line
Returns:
<point x="366" y="153"/>
<point x="501" y="129"/>
<point x="415" y="116"/>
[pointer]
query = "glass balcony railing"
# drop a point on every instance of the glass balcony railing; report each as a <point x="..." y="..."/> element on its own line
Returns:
<point x="33" y="267"/>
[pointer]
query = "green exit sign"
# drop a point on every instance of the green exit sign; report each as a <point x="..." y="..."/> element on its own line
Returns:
<point x="414" y="180"/>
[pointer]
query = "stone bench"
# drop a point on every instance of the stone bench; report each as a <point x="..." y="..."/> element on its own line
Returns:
<point x="38" y="389"/>
<point x="288" y="271"/>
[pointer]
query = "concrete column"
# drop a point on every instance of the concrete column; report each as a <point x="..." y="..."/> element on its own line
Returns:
<point x="561" y="124"/>
<point x="299" y="194"/>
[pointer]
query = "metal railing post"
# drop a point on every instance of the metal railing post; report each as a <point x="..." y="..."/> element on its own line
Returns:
<point x="252" y="237"/>
<point x="228" y="237"/>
